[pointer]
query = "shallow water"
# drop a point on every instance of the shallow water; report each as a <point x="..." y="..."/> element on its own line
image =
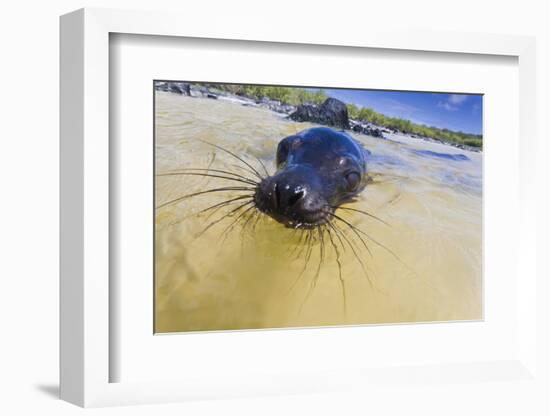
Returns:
<point x="426" y="265"/>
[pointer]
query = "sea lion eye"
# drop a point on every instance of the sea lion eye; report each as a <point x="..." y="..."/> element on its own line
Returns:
<point x="353" y="180"/>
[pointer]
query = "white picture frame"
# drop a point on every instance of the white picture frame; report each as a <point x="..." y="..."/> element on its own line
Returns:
<point x="85" y="165"/>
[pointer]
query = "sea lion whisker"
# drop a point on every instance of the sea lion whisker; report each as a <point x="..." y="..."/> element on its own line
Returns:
<point x="338" y="237"/>
<point x="374" y="241"/>
<point x="309" y="245"/>
<point x="299" y="247"/>
<point x="311" y="241"/>
<point x="229" y="228"/>
<point x="368" y="214"/>
<point x="257" y="159"/>
<point x="313" y="283"/>
<point x="242" y="168"/>
<point x="342" y="283"/>
<point x="355" y="254"/>
<point x="243" y="229"/>
<point x="248" y="221"/>
<point x="355" y="231"/>
<point x="225" y="172"/>
<point x="346" y="239"/>
<point x="262" y="164"/>
<point x="215" y="210"/>
<point x="258" y="218"/>
<point x="236" y="157"/>
<point x="290" y="249"/>
<point x="207" y="175"/>
<point x="224" y="203"/>
<point x="320" y="231"/>
<point x="303" y="246"/>
<point x="225" y="189"/>
<point x="217" y="221"/>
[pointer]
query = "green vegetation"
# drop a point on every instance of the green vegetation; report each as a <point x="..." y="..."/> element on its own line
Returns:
<point x="406" y="126"/>
<point x="286" y="95"/>
<point x="297" y="96"/>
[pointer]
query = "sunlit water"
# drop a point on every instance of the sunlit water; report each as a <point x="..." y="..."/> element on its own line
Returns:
<point x="429" y="270"/>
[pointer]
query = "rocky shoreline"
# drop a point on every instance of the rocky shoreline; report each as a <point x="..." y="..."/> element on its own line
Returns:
<point x="330" y="113"/>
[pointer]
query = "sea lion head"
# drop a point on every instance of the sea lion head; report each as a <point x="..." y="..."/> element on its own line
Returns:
<point x="317" y="170"/>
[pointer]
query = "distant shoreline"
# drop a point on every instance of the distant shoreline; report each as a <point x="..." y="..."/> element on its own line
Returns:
<point x="358" y="126"/>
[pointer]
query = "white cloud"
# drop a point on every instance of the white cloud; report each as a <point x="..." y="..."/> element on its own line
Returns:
<point x="446" y="106"/>
<point x="457" y="99"/>
<point x="453" y="102"/>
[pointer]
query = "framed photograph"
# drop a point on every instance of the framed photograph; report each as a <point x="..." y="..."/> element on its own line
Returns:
<point x="337" y="215"/>
<point x="276" y="214"/>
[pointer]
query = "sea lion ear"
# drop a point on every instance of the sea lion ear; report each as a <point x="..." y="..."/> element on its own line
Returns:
<point x="283" y="149"/>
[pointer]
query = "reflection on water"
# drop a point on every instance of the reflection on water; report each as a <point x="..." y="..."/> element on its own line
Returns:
<point x="426" y="265"/>
<point x="448" y="156"/>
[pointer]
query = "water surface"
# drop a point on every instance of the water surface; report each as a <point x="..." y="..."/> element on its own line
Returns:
<point x="425" y="266"/>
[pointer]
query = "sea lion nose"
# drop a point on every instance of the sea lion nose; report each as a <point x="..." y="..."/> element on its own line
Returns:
<point x="285" y="196"/>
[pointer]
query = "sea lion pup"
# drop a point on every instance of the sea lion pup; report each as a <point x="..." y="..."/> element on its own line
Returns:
<point x="317" y="170"/>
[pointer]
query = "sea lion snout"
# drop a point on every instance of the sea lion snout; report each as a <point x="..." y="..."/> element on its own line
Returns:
<point x="293" y="196"/>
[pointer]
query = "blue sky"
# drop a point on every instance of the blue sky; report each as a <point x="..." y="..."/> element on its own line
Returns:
<point x="461" y="112"/>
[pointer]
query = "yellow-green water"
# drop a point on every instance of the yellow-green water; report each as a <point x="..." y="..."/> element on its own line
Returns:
<point x="247" y="280"/>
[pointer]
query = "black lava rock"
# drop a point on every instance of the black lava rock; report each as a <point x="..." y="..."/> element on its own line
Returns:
<point x="374" y="132"/>
<point x="332" y="112"/>
<point x="177" y="87"/>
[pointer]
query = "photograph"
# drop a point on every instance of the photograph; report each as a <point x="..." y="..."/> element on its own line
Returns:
<point x="303" y="206"/>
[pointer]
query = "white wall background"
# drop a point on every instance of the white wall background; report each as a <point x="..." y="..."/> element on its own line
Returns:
<point x="29" y="204"/>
